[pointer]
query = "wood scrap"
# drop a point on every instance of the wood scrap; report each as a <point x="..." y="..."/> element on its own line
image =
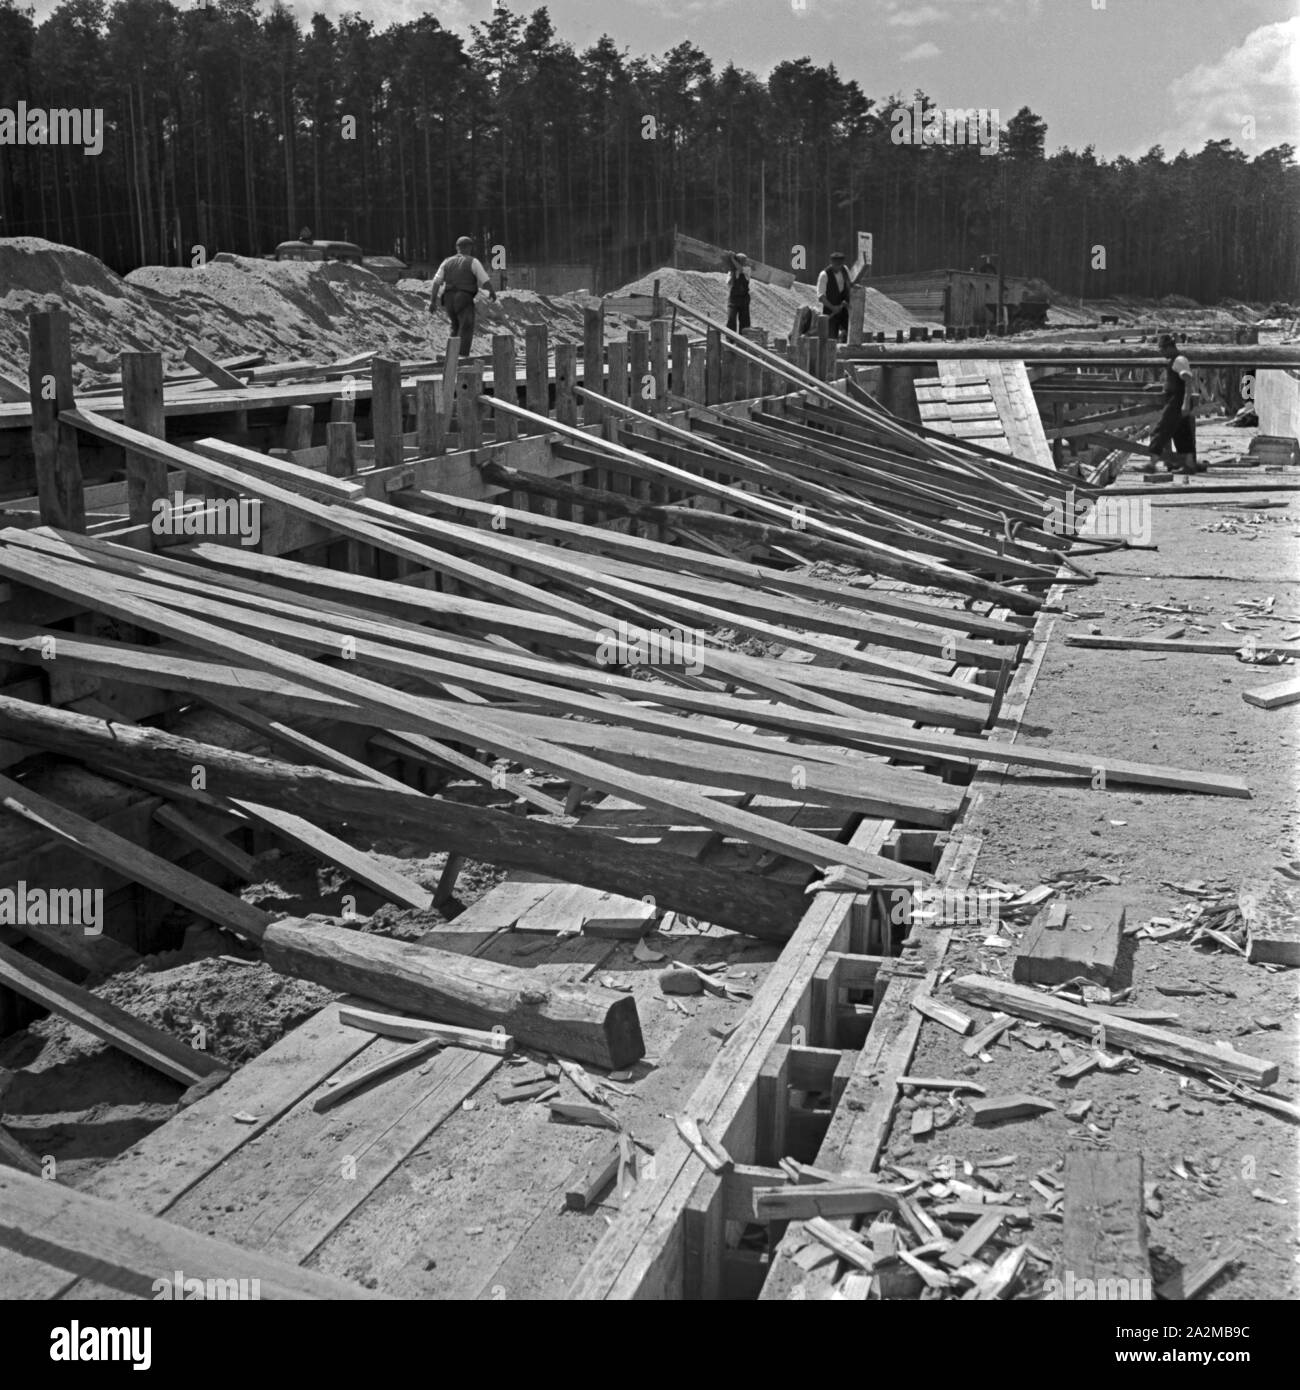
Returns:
<point x="942" y="1013"/>
<point x="1105" y="1235"/>
<point x="1081" y="943"/>
<point x="359" y="1080"/>
<point x="828" y="1199"/>
<point x="842" y="1243"/>
<point x="416" y="1029"/>
<point x="995" y="1109"/>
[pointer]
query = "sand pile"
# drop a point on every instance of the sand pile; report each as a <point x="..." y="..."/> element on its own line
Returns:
<point x="236" y="304"/>
<point x="771" y="307"/>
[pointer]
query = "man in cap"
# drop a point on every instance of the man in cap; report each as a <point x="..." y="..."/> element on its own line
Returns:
<point x="833" y="291"/>
<point x="1177" y="424"/>
<point x="738" y="291"/>
<point x="458" y="280"/>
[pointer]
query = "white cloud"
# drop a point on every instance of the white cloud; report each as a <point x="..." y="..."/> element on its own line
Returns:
<point x="1257" y="82"/>
<point x="915" y="18"/>
<point x="920" y="53"/>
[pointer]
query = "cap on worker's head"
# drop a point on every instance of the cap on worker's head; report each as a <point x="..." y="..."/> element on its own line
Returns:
<point x="740" y="256"/>
<point x="464" y="241"/>
<point x="837" y="255"/>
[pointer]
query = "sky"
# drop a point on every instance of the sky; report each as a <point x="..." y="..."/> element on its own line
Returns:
<point x="1121" y="75"/>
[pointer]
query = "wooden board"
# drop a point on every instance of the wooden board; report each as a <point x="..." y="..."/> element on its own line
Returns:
<point x="1105" y="1240"/>
<point x="1277" y="695"/>
<point x="1272" y="917"/>
<point x="131" y="1252"/>
<point x="1061" y="945"/>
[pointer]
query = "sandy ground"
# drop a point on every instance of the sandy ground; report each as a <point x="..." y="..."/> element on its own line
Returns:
<point x="1225" y="1174"/>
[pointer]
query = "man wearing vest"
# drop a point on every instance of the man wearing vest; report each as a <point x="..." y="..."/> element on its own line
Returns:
<point x="833" y="291"/>
<point x="457" y="282"/>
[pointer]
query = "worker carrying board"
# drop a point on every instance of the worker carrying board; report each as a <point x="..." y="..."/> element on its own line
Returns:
<point x="455" y="286"/>
<point x="737" y="291"/>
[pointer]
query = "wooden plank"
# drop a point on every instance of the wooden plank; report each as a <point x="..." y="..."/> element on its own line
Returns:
<point x="215" y="846"/>
<point x="1271" y="914"/>
<point x="1061" y="945"/>
<point x="129" y="1251"/>
<point x="826" y="1199"/>
<point x="340" y="1088"/>
<point x="1155" y="644"/>
<point x="107" y="1021"/>
<point x="988" y="993"/>
<point x="1105" y="1238"/>
<point x="1277" y="695"/>
<point x="205" y="367"/>
<point x="417" y="1029"/>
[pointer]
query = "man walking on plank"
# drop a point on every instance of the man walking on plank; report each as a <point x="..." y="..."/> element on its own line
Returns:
<point x="458" y="280"/>
<point x="1177" y="424"/>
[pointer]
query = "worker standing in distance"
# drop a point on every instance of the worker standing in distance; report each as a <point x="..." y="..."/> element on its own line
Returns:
<point x="833" y="291"/>
<point x="455" y="286"/>
<point x="738" y="291"/>
<point x="1177" y="424"/>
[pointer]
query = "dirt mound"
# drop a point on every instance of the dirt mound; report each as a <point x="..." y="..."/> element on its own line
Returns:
<point x="771" y="306"/>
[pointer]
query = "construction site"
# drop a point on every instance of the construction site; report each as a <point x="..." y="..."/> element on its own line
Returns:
<point x="642" y="809"/>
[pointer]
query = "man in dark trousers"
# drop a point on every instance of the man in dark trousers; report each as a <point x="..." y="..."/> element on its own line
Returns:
<point x="738" y="291"/>
<point x="1177" y="424"/>
<point x="833" y="291"/>
<point x="458" y="280"/>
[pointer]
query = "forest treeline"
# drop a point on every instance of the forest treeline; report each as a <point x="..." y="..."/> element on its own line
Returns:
<point x="229" y="126"/>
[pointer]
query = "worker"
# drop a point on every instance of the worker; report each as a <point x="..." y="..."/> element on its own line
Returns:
<point x="833" y="291"/>
<point x="305" y="235"/>
<point x="738" y="291"/>
<point x="1177" y="424"/>
<point x="455" y="285"/>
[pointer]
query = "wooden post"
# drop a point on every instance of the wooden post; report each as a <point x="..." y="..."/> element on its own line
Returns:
<point x="340" y="448"/>
<point x="505" y="383"/>
<point x="765" y="383"/>
<point x="659" y="363"/>
<point x="429" y="436"/>
<point x="857" y="312"/>
<point x="697" y="373"/>
<point x="730" y="373"/>
<point x="450" y="366"/>
<point x="830" y="356"/>
<point x="299" y="421"/>
<point x="49" y="380"/>
<point x="566" y="372"/>
<point x="753" y="372"/>
<point x="537" y="369"/>
<point x="616" y="387"/>
<point x="819" y="355"/>
<point x="681" y="353"/>
<point x="142" y="402"/>
<point x="593" y="361"/>
<point x="343" y="408"/>
<point x="713" y="367"/>
<point x="386" y="411"/>
<point x="638" y="361"/>
<point x="469" y="388"/>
